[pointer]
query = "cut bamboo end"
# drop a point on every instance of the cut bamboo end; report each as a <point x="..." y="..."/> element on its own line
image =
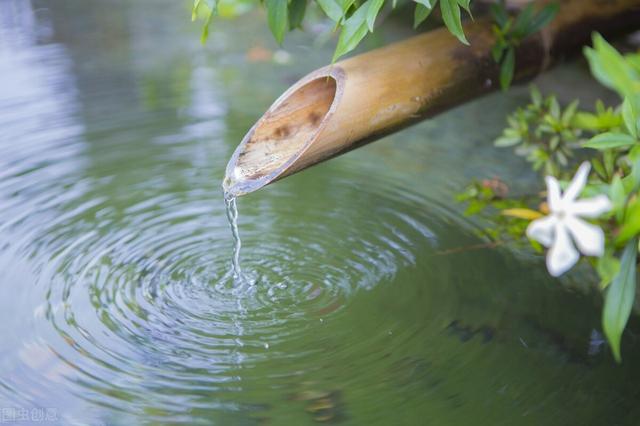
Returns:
<point x="283" y="133"/>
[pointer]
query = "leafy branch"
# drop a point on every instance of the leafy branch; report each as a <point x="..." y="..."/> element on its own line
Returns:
<point x="354" y="18"/>
<point x="551" y="138"/>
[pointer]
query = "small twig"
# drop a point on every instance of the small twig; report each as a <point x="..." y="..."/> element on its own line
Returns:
<point x="489" y="245"/>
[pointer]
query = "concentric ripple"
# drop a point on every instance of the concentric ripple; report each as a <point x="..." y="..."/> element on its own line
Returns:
<point x="122" y="252"/>
<point x="144" y="305"/>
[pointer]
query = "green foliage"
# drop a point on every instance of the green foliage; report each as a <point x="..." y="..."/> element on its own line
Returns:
<point x="631" y="222"/>
<point x="490" y="197"/>
<point x="510" y="32"/>
<point x="543" y="133"/>
<point x="507" y="68"/>
<point x="278" y="18"/>
<point x="619" y="73"/>
<point x="297" y="10"/>
<point x="619" y="298"/>
<point x="332" y="9"/>
<point x="610" y="140"/>
<point x="354" y="18"/>
<point x="361" y="19"/>
<point x="608" y="267"/>
<point x="372" y="13"/>
<point x="357" y="18"/>
<point x="551" y="137"/>
<point x="354" y="30"/>
<point x="205" y="9"/>
<point x="602" y="120"/>
<point x="450" y="10"/>
<point x="422" y="11"/>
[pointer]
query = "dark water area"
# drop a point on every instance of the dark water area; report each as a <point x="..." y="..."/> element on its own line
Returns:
<point x="372" y="300"/>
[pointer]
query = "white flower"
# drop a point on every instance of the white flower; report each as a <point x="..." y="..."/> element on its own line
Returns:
<point x="564" y="224"/>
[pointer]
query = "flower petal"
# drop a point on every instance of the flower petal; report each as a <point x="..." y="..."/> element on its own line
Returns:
<point x="590" y="207"/>
<point x="578" y="182"/>
<point x="542" y="230"/>
<point x="562" y="255"/>
<point x="588" y="237"/>
<point x="553" y="193"/>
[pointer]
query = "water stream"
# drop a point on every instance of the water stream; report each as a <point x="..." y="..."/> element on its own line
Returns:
<point x="232" y="216"/>
<point x="375" y="301"/>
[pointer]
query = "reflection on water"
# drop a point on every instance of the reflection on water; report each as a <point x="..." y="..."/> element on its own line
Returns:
<point x="372" y="303"/>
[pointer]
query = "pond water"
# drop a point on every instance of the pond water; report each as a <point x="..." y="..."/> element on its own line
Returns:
<point x="373" y="303"/>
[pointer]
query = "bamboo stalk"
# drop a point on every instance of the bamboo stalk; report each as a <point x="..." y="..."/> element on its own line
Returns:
<point x="355" y="101"/>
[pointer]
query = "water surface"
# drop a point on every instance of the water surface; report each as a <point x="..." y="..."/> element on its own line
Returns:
<point x="373" y="302"/>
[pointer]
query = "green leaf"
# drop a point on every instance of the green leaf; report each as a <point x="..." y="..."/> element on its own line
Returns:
<point x="554" y="107"/>
<point x="345" y="5"/>
<point x="205" y="27"/>
<point x="618" y="197"/>
<point x="506" y="68"/>
<point x="586" y="121"/>
<point x="353" y="31"/>
<point x="194" y="9"/>
<point x="543" y="18"/>
<point x="422" y="11"/>
<point x="608" y="267"/>
<point x="609" y="66"/>
<point x="497" y="50"/>
<point x="505" y="141"/>
<point x="633" y="59"/>
<point x="204" y="9"/>
<point x="427" y="3"/>
<point x="499" y="14"/>
<point x="278" y="18"/>
<point x="631" y="226"/>
<point x="595" y="64"/>
<point x="619" y="299"/>
<point x="609" y="141"/>
<point x="522" y="22"/>
<point x="569" y="113"/>
<point x="629" y="115"/>
<point x="599" y="168"/>
<point x="332" y="9"/>
<point x="372" y="13"/>
<point x="451" y="17"/>
<point x="536" y="96"/>
<point x="297" y="9"/>
<point x="634" y="176"/>
<point x="609" y="160"/>
<point x="601" y="122"/>
<point x="465" y="4"/>
<point x="562" y="159"/>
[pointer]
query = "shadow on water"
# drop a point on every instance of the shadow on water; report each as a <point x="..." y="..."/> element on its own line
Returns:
<point x="373" y="303"/>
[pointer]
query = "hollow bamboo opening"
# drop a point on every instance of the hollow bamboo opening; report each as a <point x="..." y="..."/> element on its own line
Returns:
<point x="283" y="133"/>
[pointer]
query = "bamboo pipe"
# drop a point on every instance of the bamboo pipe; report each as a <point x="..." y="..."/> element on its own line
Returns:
<point x="345" y="105"/>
